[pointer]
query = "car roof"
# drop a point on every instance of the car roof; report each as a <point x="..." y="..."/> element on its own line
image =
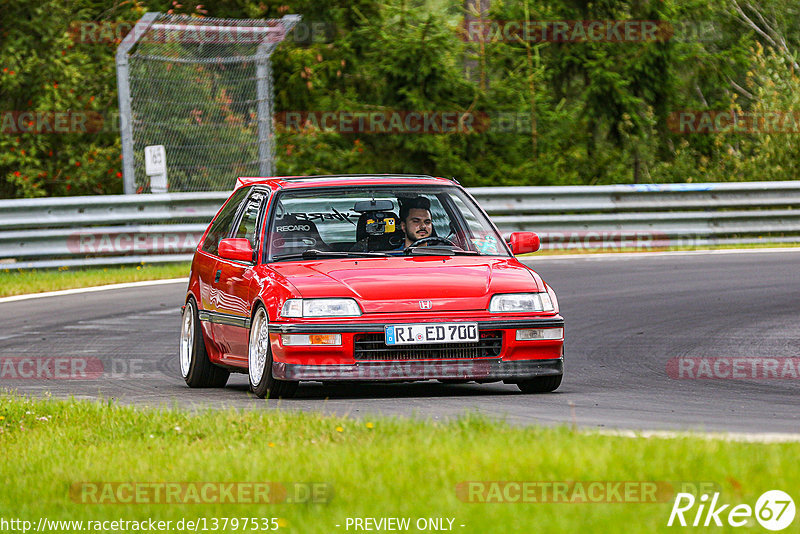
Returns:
<point x="333" y="180"/>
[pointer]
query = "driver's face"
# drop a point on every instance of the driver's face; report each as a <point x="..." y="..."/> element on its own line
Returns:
<point x="418" y="224"/>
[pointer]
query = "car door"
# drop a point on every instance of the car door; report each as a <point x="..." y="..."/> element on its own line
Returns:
<point x="234" y="284"/>
<point x="207" y="267"/>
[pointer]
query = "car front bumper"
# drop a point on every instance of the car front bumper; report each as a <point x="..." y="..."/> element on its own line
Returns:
<point x="514" y="361"/>
<point x="479" y="369"/>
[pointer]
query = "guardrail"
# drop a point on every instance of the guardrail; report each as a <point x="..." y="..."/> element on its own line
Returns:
<point x="103" y="230"/>
<point x="129" y="229"/>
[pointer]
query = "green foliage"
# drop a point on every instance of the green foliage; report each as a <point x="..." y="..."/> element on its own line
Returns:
<point x="43" y="70"/>
<point x="585" y="112"/>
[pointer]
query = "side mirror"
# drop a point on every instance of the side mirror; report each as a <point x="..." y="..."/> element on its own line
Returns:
<point x="236" y="249"/>
<point x="523" y="242"/>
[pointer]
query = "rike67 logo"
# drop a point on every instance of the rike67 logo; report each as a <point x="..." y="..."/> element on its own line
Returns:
<point x="774" y="510"/>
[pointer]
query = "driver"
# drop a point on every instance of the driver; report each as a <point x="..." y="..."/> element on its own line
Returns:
<point x="415" y="219"/>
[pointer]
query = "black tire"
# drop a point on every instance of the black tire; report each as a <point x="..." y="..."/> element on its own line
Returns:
<point x="262" y="383"/>
<point x="196" y="369"/>
<point x="540" y="384"/>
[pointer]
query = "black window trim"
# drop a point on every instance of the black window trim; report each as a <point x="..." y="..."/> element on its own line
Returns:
<point x="437" y="189"/>
<point x="219" y="214"/>
<point x="237" y="220"/>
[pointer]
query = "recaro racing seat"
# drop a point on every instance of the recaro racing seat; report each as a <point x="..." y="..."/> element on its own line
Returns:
<point x="292" y="235"/>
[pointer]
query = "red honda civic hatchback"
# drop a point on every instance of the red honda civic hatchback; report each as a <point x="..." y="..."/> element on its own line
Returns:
<point x="365" y="278"/>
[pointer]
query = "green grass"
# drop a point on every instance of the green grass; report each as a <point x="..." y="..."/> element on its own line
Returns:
<point x="376" y="467"/>
<point x="19" y="282"/>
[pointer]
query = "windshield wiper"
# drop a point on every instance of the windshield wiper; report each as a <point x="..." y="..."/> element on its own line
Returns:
<point x="313" y="253"/>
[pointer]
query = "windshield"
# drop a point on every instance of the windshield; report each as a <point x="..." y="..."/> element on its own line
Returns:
<point x="336" y="222"/>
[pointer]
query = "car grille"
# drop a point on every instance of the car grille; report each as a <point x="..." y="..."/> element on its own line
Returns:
<point x="373" y="347"/>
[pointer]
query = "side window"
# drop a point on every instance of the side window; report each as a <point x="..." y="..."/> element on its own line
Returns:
<point x="475" y="226"/>
<point x="248" y="225"/>
<point x="221" y="228"/>
<point x="479" y="237"/>
<point x="441" y="220"/>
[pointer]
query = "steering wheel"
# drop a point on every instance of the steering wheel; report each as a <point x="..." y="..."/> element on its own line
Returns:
<point x="431" y="239"/>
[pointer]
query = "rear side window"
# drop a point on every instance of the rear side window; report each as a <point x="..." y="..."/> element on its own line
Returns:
<point x="221" y="227"/>
<point x="248" y="225"/>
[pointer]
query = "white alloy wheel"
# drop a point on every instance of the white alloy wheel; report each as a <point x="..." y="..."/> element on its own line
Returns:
<point x="258" y="353"/>
<point x="196" y="368"/>
<point x="187" y="338"/>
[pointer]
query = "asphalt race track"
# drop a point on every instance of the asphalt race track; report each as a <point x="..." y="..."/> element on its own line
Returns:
<point x="626" y="317"/>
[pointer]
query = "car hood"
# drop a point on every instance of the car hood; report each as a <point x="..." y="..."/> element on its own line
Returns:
<point x="398" y="284"/>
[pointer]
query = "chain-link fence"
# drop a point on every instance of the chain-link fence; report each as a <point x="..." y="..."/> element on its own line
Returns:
<point x="202" y="88"/>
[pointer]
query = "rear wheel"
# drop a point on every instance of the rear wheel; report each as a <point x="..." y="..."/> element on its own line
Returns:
<point x="259" y="362"/>
<point x="540" y="384"/>
<point x="196" y="369"/>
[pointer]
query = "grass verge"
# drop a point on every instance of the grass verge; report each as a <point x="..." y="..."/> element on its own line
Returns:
<point x="371" y="467"/>
<point x="19" y="282"/>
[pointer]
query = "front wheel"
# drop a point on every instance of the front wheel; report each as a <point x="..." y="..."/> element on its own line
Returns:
<point x="259" y="362"/>
<point x="540" y="384"/>
<point x="196" y="369"/>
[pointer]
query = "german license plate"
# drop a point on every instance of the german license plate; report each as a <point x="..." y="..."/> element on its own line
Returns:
<point x="411" y="334"/>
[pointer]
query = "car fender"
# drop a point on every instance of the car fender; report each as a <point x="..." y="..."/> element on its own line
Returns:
<point x="273" y="290"/>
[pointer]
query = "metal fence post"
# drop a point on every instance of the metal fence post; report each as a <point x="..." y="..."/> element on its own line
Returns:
<point x="263" y="93"/>
<point x="124" y="92"/>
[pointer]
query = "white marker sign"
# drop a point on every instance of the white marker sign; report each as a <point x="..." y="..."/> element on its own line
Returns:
<point x="155" y="166"/>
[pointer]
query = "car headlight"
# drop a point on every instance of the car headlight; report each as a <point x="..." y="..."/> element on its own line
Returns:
<point x="521" y="302"/>
<point x="320" y="308"/>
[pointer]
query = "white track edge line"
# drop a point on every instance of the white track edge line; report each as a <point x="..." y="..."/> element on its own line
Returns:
<point x="744" y="437"/>
<point x="93" y="289"/>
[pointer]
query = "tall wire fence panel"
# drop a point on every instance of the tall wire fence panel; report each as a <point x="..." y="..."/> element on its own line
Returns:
<point x="202" y="88"/>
